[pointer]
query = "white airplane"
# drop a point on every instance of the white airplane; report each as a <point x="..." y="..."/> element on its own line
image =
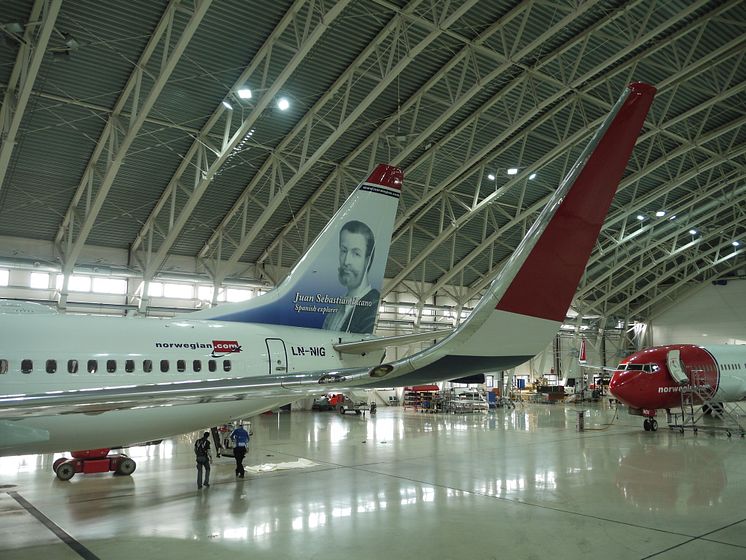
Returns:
<point x="653" y="378"/>
<point x="79" y="382"/>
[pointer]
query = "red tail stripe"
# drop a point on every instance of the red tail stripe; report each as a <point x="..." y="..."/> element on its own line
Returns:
<point x="546" y="283"/>
<point x="386" y="176"/>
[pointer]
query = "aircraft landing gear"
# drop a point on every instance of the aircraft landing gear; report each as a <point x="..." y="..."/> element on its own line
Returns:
<point x="650" y="424"/>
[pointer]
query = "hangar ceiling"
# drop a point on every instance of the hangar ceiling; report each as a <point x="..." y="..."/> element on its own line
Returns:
<point x="123" y="127"/>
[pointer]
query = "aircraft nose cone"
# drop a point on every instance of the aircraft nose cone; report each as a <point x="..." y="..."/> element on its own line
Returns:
<point x="622" y="385"/>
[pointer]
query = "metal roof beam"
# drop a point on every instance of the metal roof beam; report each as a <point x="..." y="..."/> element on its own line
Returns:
<point x="459" y="176"/>
<point x="166" y="221"/>
<point x="452" y="76"/>
<point x="703" y="207"/>
<point x="28" y="61"/>
<point x="119" y="133"/>
<point x="659" y="255"/>
<point x="389" y="53"/>
<point x="713" y="258"/>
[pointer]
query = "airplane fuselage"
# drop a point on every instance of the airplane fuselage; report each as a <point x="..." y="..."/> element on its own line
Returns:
<point x="643" y="380"/>
<point x="60" y="353"/>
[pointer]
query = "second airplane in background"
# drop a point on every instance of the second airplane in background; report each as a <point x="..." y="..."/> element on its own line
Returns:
<point x="655" y="378"/>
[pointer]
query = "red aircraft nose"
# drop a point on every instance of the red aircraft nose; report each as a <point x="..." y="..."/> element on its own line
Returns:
<point x="624" y="387"/>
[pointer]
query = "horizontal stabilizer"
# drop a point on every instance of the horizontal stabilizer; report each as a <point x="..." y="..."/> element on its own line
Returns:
<point x="374" y="344"/>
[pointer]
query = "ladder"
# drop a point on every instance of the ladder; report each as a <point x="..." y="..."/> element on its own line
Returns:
<point x="697" y="391"/>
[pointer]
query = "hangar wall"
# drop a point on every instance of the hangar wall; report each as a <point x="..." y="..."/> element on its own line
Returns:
<point x="716" y="314"/>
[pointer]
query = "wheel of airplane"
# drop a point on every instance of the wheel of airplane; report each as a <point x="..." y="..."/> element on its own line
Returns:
<point x="66" y="471"/>
<point x="126" y="467"/>
<point x="653" y="425"/>
<point x="646" y="424"/>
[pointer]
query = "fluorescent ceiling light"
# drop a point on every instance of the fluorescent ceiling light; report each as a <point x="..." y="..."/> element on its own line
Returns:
<point x="692" y="232"/>
<point x="513" y="171"/>
<point x="736" y="243"/>
<point x="532" y="177"/>
<point x="227" y="105"/>
<point x="244" y="93"/>
<point x="640" y="217"/>
<point x="491" y="177"/>
<point x="283" y="104"/>
<point x="660" y="213"/>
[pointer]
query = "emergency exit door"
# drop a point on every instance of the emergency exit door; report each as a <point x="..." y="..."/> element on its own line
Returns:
<point x="278" y="356"/>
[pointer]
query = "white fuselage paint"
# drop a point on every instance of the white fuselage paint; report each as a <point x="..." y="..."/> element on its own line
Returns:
<point x="731" y="364"/>
<point x="43" y="339"/>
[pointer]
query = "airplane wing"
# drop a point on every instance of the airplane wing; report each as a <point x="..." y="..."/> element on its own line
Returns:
<point x="381" y="343"/>
<point x="97" y="400"/>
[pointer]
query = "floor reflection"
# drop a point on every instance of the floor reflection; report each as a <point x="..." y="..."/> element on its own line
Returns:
<point x="673" y="477"/>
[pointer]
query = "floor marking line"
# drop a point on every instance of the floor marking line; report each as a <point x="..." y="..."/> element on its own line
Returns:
<point x="81" y="550"/>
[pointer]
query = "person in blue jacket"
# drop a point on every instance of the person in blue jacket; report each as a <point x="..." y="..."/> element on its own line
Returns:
<point x="240" y="439"/>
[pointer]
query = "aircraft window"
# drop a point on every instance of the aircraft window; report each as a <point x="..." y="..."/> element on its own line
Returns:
<point x="212" y="365"/>
<point x="197" y="365"/>
<point x="27" y="366"/>
<point x="226" y="365"/>
<point x="129" y="366"/>
<point x="72" y="366"/>
<point x="147" y="366"/>
<point x="92" y="366"/>
<point x="164" y="366"/>
<point x="51" y="366"/>
<point x="111" y="366"/>
<point x="3" y="366"/>
<point x="634" y="367"/>
<point x="622" y="367"/>
<point x="181" y="365"/>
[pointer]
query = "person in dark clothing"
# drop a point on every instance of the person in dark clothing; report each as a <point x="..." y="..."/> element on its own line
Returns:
<point x="240" y="439"/>
<point x="202" y="455"/>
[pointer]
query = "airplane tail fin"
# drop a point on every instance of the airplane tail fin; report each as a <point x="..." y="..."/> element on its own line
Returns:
<point x="336" y="285"/>
<point x="528" y="299"/>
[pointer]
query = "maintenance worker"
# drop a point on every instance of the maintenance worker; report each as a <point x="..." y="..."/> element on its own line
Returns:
<point x="240" y="439"/>
<point x="202" y="454"/>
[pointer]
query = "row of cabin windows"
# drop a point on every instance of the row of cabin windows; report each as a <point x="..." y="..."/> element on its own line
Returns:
<point x="92" y="366"/>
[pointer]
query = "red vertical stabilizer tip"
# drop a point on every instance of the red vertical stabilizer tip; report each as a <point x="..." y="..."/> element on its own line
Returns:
<point x="386" y="176"/>
<point x="546" y="283"/>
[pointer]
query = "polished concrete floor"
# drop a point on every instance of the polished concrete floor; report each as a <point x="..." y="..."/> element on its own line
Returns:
<point x="519" y="484"/>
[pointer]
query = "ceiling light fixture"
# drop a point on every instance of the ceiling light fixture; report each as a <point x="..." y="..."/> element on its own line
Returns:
<point x="227" y="105"/>
<point x="283" y="104"/>
<point x="244" y="93"/>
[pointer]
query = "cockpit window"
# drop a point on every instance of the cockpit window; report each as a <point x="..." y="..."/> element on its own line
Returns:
<point x="649" y="368"/>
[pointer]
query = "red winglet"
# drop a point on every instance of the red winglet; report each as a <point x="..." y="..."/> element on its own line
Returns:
<point x="546" y="283"/>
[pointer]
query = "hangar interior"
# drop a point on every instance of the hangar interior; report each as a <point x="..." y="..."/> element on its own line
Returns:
<point x="162" y="156"/>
